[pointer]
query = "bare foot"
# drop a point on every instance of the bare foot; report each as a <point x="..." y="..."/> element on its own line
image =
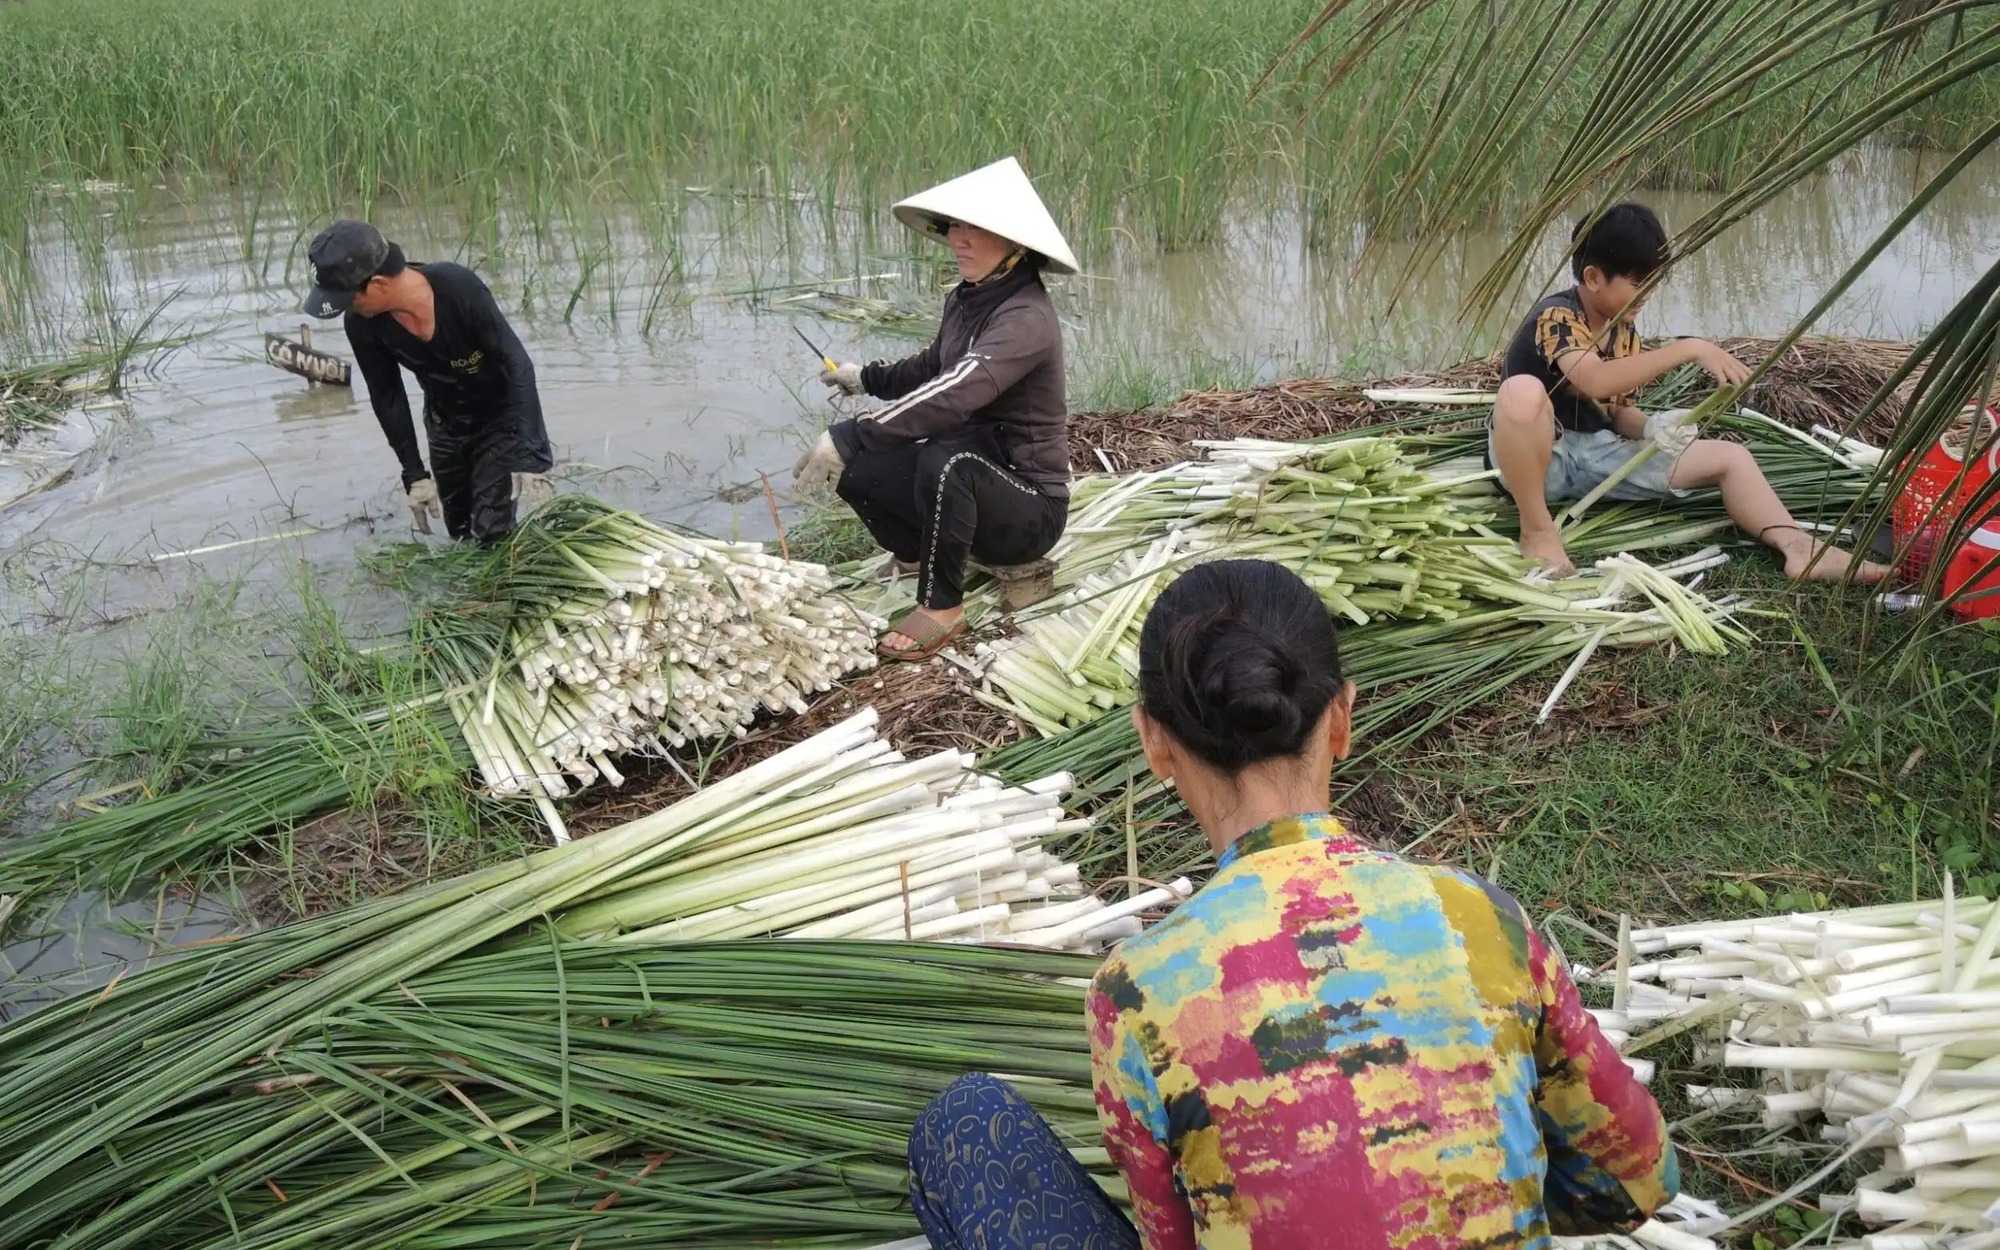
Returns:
<point x="1546" y="548"/>
<point x="1829" y="564"/>
<point x="944" y="618"/>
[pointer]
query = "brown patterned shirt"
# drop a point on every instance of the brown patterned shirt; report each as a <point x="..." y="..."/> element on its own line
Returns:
<point x="1555" y="326"/>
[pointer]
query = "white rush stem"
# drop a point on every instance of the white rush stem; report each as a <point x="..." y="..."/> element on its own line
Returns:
<point x="1942" y="1182"/>
<point x="1885" y="1208"/>
<point x="1898" y="1241"/>
<point x="1930" y="1154"/>
<point x="1668" y="936"/>
<point x="1970" y="1000"/>
<point x="1808" y="1058"/>
<point x="979" y="919"/>
<point x="1029" y="919"/>
<point x="1901" y="1024"/>
<point x="1174" y="892"/>
<point x="1666" y="1237"/>
<point x="1941" y="1127"/>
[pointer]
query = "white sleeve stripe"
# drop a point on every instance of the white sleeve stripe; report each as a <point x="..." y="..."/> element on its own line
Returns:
<point x="929" y="390"/>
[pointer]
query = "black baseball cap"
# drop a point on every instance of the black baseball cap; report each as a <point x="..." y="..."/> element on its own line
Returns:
<point x="344" y="257"/>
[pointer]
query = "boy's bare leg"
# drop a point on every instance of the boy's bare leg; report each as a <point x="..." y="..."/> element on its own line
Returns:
<point x="1758" y="511"/>
<point x="1524" y="438"/>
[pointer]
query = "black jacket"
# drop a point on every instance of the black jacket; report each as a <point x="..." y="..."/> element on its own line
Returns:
<point x="476" y="377"/>
<point x="997" y="360"/>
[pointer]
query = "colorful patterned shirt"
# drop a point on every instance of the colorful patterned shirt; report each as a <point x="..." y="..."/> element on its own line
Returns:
<point x="1553" y="328"/>
<point x="1332" y="1046"/>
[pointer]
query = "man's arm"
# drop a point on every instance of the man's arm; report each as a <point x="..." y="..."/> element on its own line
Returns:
<point x="521" y="408"/>
<point x="1594" y="377"/>
<point x="1610" y="1164"/>
<point x="1134" y="1118"/>
<point x="1630" y="422"/>
<point x="387" y="396"/>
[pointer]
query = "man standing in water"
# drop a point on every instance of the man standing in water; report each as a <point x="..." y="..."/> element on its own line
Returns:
<point x="482" y="414"/>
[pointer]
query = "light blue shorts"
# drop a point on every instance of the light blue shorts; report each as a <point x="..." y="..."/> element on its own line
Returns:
<point x="1581" y="462"/>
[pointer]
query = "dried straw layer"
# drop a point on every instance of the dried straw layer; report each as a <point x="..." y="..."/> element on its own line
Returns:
<point x="1823" y="381"/>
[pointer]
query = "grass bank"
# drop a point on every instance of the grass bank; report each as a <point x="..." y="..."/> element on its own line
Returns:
<point x="1130" y="113"/>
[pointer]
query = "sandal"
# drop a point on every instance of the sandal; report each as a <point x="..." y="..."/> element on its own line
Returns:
<point x="927" y="634"/>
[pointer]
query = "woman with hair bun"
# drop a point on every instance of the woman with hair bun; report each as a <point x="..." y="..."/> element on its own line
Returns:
<point x="1328" y="1045"/>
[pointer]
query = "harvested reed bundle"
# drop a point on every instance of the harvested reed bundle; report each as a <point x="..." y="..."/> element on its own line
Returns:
<point x="1876" y="1030"/>
<point x="623" y="635"/>
<point x="1415" y="673"/>
<point x="1382" y="543"/>
<point x="706" y="1094"/>
<point x="603" y="1046"/>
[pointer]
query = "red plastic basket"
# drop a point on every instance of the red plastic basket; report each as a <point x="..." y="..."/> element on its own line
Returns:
<point x="1969" y="572"/>
<point x="1936" y="494"/>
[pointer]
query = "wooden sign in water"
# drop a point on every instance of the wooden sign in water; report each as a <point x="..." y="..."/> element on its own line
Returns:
<point x="300" y="358"/>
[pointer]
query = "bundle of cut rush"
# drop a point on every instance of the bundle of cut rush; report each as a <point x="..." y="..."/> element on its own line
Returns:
<point x="534" y="1054"/>
<point x="622" y="634"/>
<point x="1875" y="1030"/>
<point x="1404" y="557"/>
<point x="879" y="846"/>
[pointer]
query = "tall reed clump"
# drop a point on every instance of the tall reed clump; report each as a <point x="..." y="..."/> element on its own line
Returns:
<point x="1130" y="113"/>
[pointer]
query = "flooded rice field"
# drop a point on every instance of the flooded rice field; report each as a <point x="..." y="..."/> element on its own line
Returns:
<point x="672" y="379"/>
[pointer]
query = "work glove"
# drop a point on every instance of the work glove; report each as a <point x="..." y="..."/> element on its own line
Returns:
<point x="422" y="495"/>
<point x="847" y="378"/>
<point x="532" y="490"/>
<point x="819" y="468"/>
<point x="1666" y="431"/>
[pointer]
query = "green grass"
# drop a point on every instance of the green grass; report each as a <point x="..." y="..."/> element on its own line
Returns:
<point x="1788" y="775"/>
<point x="247" y="711"/>
<point x="829" y="533"/>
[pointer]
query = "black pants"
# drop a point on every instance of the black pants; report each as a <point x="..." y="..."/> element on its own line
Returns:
<point x="936" y="503"/>
<point x="474" y="473"/>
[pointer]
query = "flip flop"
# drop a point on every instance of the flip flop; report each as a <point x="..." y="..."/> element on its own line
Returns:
<point x="928" y="635"/>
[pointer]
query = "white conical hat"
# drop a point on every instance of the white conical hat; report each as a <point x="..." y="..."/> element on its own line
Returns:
<point x="998" y="198"/>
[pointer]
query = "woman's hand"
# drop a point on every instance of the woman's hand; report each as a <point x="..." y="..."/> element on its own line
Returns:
<point x="847" y="378"/>
<point x="819" y="468"/>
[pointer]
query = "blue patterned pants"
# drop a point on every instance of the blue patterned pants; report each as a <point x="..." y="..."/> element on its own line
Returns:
<point x="988" y="1173"/>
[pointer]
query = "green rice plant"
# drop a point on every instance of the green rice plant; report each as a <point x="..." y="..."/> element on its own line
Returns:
<point x="1132" y="115"/>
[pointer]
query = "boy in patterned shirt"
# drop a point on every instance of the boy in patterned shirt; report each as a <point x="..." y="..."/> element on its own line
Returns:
<point x="1565" y="420"/>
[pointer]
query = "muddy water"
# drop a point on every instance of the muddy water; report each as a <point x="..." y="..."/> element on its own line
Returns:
<point x="672" y="380"/>
<point x="673" y="396"/>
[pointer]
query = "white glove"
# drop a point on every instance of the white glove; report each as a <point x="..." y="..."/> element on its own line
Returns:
<point x="819" y="468"/>
<point x="532" y="490"/>
<point x="846" y="377"/>
<point x="422" y="495"/>
<point x="1665" y="431"/>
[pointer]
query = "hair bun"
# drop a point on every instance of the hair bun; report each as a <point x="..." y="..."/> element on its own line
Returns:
<point x="1251" y="685"/>
<point x="1237" y="660"/>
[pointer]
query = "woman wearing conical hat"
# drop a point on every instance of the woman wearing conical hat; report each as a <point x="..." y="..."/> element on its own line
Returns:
<point x="968" y="455"/>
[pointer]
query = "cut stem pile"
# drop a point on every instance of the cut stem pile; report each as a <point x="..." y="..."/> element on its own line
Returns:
<point x="628" y="636"/>
<point x="1876" y="1030"/>
<point x="1385" y="546"/>
<point x="522" y="1054"/>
